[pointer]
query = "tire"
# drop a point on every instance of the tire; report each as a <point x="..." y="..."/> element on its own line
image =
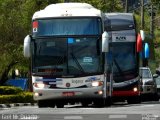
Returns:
<point x="52" y="104"/>
<point x="100" y="103"/>
<point x="156" y="98"/>
<point x="84" y="104"/>
<point x="59" y="105"/>
<point x="108" y="102"/>
<point x="41" y="104"/>
<point x="134" y="100"/>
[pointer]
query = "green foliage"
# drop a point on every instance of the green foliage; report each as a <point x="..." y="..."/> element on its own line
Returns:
<point x="152" y="65"/>
<point x="157" y="46"/>
<point x="11" y="33"/>
<point x="15" y="24"/>
<point x="10" y="90"/>
<point x="25" y="97"/>
<point x="104" y="5"/>
<point x="10" y="94"/>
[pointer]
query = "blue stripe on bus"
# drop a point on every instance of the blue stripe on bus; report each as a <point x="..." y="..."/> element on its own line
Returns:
<point x="49" y="79"/>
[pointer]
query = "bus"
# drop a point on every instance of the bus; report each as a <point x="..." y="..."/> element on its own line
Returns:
<point x="67" y="62"/>
<point x="123" y="56"/>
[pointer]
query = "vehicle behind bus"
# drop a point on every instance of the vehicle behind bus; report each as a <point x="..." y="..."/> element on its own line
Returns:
<point x="149" y="86"/>
<point x="123" y="58"/>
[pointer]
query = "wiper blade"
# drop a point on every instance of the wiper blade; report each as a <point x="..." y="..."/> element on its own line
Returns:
<point x="97" y="46"/>
<point x="118" y="67"/>
<point x="79" y="66"/>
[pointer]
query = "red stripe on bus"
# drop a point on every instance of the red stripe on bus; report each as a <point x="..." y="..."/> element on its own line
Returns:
<point x="125" y="93"/>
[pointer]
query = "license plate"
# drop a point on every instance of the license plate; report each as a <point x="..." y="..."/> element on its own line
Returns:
<point x="68" y="94"/>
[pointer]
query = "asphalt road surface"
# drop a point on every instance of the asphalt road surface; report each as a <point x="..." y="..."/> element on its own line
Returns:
<point x="119" y="111"/>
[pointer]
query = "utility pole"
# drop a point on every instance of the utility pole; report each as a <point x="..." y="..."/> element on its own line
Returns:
<point x="142" y="14"/>
<point x="126" y="6"/>
<point x="144" y="60"/>
<point x="152" y="15"/>
<point x="112" y="6"/>
<point x="152" y="22"/>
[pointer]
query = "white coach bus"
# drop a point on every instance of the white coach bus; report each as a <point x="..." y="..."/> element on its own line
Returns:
<point x="65" y="48"/>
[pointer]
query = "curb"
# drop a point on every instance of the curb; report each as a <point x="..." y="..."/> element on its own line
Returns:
<point x="16" y="105"/>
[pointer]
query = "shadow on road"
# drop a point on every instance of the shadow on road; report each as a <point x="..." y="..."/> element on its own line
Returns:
<point x="114" y="105"/>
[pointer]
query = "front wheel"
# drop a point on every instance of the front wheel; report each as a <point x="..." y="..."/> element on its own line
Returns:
<point x="134" y="100"/>
<point x="60" y="105"/>
<point x="41" y="104"/>
<point x="155" y="96"/>
<point x="102" y="102"/>
<point x="84" y="104"/>
<point x="108" y="101"/>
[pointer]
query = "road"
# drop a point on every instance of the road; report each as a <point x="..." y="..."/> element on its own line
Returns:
<point x="119" y="111"/>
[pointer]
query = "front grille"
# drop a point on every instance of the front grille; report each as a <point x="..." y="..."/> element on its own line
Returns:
<point x="158" y="90"/>
<point x="53" y="86"/>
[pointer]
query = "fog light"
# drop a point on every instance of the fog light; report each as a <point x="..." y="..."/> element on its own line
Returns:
<point x="100" y="92"/>
<point x="135" y="89"/>
<point x="36" y="94"/>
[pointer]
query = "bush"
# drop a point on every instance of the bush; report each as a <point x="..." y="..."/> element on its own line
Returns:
<point x="11" y="94"/>
<point x="10" y="90"/>
<point x="24" y="97"/>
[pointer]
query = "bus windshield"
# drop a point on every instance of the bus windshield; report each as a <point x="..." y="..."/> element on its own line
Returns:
<point x="145" y="73"/>
<point x="119" y="25"/>
<point x="123" y="61"/>
<point x="67" y="56"/>
<point x="67" y="26"/>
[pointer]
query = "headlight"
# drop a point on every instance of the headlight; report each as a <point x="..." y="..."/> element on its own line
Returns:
<point x="39" y="85"/>
<point x="135" y="89"/>
<point x="36" y="94"/>
<point x="97" y="83"/>
<point x="149" y="82"/>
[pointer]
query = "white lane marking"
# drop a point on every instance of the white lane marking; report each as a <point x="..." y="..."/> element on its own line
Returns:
<point x="117" y="116"/>
<point x="87" y="108"/>
<point x="156" y="116"/>
<point x="73" y="117"/>
<point x="147" y="105"/>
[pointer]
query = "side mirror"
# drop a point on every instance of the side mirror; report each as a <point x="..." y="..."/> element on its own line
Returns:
<point x="105" y="42"/>
<point x="27" y="46"/>
<point x="142" y="35"/>
<point x="139" y="43"/>
<point x="155" y="75"/>
<point x="146" y="50"/>
<point x="140" y="75"/>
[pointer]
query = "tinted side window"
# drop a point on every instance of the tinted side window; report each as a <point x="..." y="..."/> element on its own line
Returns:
<point x="118" y="24"/>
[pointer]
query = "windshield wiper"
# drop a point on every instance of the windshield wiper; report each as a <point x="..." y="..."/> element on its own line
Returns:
<point x="97" y="46"/>
<point x="118" y="67"/>
<point x="75" y="59"/>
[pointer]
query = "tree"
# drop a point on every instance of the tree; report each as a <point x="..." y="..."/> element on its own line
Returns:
<point x="15" y="24"/>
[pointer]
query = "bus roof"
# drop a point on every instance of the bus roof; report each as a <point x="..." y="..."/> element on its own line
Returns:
<point x="126" y="16"/>
<point x="67" y="10"/>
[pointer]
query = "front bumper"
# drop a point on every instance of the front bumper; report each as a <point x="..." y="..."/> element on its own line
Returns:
<point x="148" y="89"/>
<point x="58" y="94"/>
<point x="158" y="92"/>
